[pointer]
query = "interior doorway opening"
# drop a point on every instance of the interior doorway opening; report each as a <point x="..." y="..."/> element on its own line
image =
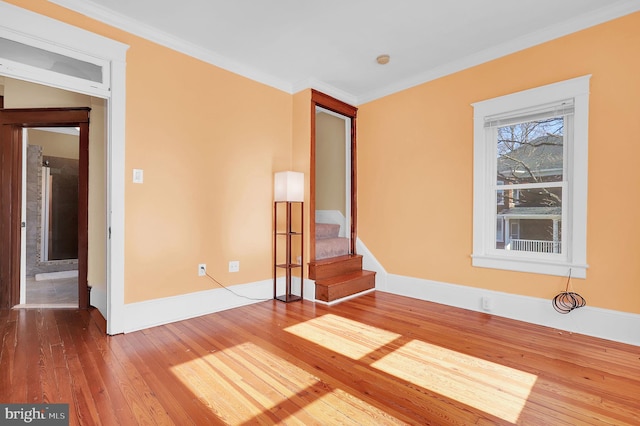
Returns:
<point x="45" y="33"/>
<point x="51" y="173"/>
<point x="333" y="218"/>
<point x="70" y="211"/>
<point x="332" y="184"/>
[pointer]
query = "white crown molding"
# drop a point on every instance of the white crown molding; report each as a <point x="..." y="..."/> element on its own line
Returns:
<point x="578" y="23"/>
<point x="140" y="29"/>
<point x="135" y="27"/>
<point x="327" y="89"/>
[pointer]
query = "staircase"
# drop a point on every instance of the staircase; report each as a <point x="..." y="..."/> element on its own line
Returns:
<point x="337" y="273"/>
<point x="328" y="243"/>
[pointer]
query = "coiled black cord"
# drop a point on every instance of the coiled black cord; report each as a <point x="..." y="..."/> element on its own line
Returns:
<point x="567" y="301"/>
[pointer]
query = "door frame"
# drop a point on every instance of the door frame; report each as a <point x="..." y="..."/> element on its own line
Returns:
<point x="319" y="99"/>
<point x="12" y="122"/>
<point x="59" y="37"/>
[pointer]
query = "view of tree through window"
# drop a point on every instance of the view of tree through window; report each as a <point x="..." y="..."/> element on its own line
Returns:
<point x="529" y="183"/>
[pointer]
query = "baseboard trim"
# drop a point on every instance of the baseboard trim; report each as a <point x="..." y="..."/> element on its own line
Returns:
<point x="597" y="322"/>
<point x="56" y="275"/>
<point x="152" y="313"/>
<point x="370" y="263"/>
<point x="99" y="298"/>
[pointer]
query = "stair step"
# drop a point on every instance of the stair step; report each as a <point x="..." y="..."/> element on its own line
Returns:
<point x="327" y="230"/>
<point x="337" y="287"/>
<point x="331" y="247"/>
<point x="340" y="265"/>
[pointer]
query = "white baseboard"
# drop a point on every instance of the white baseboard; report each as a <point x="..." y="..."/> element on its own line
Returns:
<point x="99" y="298"/>
<point x="597" y="322"/>
<point x="151" y="313"/>
<point x="56" y="275"/>
<point x="370" y="263"/>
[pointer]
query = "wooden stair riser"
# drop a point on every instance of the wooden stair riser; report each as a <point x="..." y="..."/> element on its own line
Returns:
<point x="336" y="288"/>
<point x="337" y="266"/>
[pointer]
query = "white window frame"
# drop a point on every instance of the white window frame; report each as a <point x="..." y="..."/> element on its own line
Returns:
<point x="500" y="193"/>
<point x="574" y="226"/>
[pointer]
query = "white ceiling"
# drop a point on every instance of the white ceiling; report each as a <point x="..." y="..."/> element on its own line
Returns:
<point x="331" y="45"/>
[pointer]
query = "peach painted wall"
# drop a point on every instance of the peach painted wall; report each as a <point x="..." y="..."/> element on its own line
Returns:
<point x="415" y="162"/>
<point x="208" y="142"/>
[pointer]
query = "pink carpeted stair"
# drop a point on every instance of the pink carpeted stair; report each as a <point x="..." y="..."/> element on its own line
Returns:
<point x="337" y="273"/>
<point x="328" y="244"/>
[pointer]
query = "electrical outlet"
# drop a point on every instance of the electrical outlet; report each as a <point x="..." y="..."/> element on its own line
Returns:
<point x="202" y="269"/>
<point x="234" y="266"/>
<point x="486" y="303"/>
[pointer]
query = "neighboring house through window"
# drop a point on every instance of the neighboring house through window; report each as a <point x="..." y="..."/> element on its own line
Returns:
<point x="530" y="180"/>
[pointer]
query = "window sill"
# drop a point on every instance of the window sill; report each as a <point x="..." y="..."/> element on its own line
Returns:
<point x="535" y="266"/>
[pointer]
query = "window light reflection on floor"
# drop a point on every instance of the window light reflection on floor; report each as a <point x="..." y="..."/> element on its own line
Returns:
<point x="493" y="388"/>
<point x="344" y="336"/>
<point x="241" y="384"/>
<point x="490" y="387"/>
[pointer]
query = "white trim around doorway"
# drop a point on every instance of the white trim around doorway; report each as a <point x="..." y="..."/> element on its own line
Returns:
<point x="54" y="36"/>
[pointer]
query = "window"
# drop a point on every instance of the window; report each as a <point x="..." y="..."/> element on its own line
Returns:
<point x="499" y="230"/>
<point x="530" y="180"/>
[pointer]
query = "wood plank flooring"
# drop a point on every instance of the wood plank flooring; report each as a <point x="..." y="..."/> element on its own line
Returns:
<point x="376" y="360"/>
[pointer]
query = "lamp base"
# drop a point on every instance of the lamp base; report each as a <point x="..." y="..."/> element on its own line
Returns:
<point x="291" y="298"/>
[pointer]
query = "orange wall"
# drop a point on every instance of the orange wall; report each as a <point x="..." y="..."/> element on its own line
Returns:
<point x="415" y="164"/>
<point x="208" y="142"/>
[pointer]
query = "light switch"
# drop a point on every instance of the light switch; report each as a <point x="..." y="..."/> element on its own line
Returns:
<point x="138" y="175"/>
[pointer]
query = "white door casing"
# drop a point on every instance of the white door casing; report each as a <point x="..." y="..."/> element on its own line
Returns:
<point x="31" y="29"/>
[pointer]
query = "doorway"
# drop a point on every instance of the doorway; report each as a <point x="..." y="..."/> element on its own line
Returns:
<point x="333" y="178"/>
<point x="13" y="148"/>
<point x="59" y="40"/>
<point x="49" y="272"/>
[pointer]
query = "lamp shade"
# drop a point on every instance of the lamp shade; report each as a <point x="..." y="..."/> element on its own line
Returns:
<point x="288" y="186"/>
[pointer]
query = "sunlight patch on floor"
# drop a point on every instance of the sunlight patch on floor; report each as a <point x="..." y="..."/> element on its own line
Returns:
<point x="216" y="390"/>
<point x="344" y="336"/>
<point x="246" y="384"/>
<point x="487" y="386"/>
<point x="342" y="408"/>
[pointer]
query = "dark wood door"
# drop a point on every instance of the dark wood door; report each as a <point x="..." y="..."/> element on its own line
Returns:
<point x="12" y="121"/>
<point x="10" y="214"/>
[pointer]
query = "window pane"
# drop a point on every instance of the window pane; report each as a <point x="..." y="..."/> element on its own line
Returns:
<point x="531" y="152"/>
<point x="44" y="59"/>
<point x="532" y="220"/>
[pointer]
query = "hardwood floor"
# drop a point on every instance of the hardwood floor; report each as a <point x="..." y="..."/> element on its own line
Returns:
<point x="378" y="359"/>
